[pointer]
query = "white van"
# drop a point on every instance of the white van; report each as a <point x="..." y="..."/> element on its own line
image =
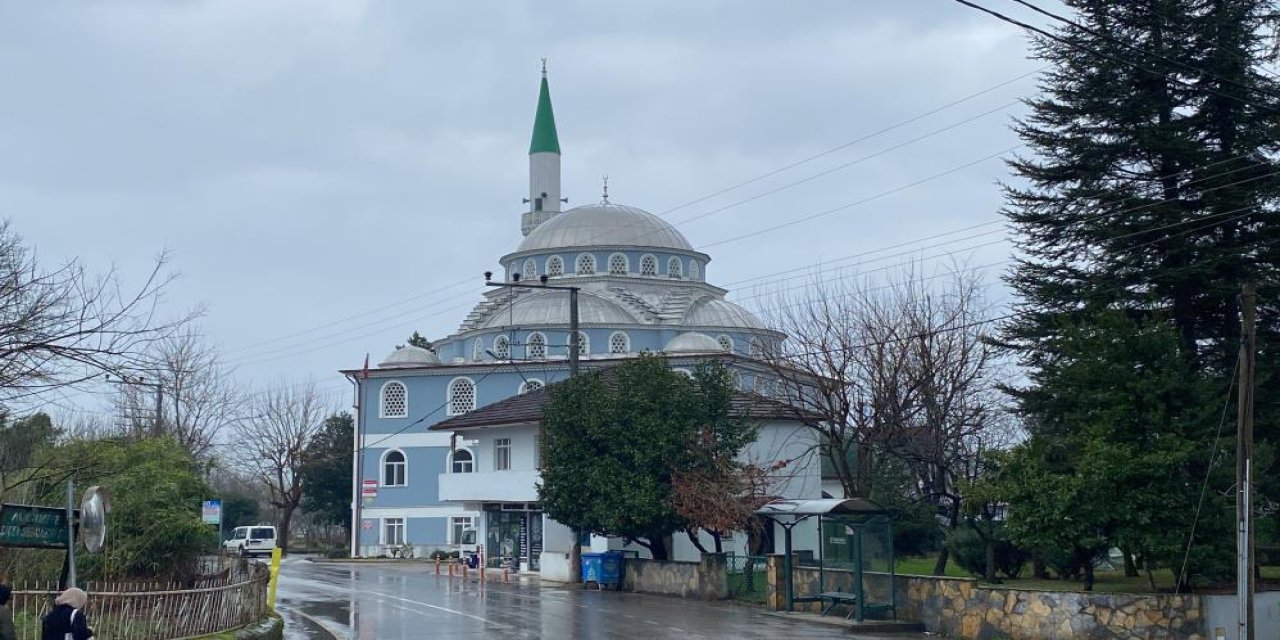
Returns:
<point x="248" y="541"/>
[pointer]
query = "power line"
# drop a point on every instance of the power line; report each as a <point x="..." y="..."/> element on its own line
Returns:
<point x="719" y="192"/>
<point x="1088" y="49"/>
<point x="1143" y="50"/>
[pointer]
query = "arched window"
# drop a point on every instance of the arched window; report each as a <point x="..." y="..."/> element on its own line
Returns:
<point x="502" y="348"/>
<point x="584" y="345"/>
<point x="532" y="384"/>
<point x="394" y="469"/>
<point x="462" y="396"/>
<point x="693" y="270"/>
<point x="536" y="347"/>
<point x="586" y="264"/>
<point x="462" y="462"/>
<point x="477" y="351"/>
<point x="512" y="270"/>
<point x="618" y="265"/>
<point x="737" y="379"/>
<point x="648" y="265"/>
<point x="530" y="270"/>
<point x="684" y="372"/>
<point x="674" y="269"/>
<point x="726" y="342"/>
<point x="619" y="342"/>
<point x="395" y="400"/>
<point x="555" y="267"/>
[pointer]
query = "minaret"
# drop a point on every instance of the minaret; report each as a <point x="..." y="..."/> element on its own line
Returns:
<point x="544" y="164"/>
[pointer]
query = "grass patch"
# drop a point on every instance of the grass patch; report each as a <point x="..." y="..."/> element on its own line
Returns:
<point x="1104" y="581"/>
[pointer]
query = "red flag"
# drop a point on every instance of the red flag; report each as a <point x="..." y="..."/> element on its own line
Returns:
<point x="365" y="372"/>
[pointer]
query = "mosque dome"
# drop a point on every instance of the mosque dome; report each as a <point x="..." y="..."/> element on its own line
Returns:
<point x="692" y="342"/>
<point x="604" y="224"/>
<point x="552" y="308"/>
<point x="718" y="312"/>
<point x="409" y="356"/>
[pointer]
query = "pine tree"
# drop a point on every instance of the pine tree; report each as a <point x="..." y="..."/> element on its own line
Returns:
<point x="1149" y="191"/>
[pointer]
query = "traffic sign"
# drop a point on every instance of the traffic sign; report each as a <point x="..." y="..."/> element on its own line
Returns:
<point x="27" y="526"/>
<point x="211" y="511"/>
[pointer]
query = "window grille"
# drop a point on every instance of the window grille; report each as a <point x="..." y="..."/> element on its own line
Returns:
<point x="619" y="343"/>
<point x="648" y="266"/>
<point x="536" y="348"/>
<point x="395" y="400"/>
<point x="462" y="396"/>
<point x="618" y="265"/>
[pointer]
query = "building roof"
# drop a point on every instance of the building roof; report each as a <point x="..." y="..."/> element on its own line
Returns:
<point x="409" y="356"/>
<point x="604" y="225"/>
<point x="692" y="342"/>
<point x="527" y="409"/>
<point x="544" y="123"/>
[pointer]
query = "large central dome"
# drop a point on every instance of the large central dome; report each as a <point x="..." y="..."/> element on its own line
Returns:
<point x="604" y="225"/>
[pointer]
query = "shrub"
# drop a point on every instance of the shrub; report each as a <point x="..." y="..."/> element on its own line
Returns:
<point x="969" y="550"/>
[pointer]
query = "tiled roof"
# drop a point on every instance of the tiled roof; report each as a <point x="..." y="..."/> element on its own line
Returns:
<point x="527" y="409"/>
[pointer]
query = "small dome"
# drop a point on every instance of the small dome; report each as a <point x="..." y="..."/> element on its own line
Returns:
<point x="409" y="356"/>
<point x="717" y="312"/>
<point x="692" y="342"/>
<point x="552" y="308"/>
<point x="604" y="224"/>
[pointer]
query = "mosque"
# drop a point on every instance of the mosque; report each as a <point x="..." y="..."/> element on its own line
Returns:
<point x="448" y="433"/>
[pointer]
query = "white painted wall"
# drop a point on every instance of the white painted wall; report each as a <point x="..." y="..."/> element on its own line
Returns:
<point x="1220" y="612"/>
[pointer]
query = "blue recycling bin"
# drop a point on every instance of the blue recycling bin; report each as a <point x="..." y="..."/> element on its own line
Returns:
<point x="604" y="569"/>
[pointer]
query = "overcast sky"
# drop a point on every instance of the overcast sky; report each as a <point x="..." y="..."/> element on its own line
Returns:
<point x="331" y="176"/>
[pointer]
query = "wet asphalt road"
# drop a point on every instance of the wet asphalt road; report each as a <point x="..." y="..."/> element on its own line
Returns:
<point x="389" y="601"/>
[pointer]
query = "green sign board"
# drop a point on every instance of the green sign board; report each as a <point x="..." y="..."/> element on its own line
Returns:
<point x="27" y="526"/>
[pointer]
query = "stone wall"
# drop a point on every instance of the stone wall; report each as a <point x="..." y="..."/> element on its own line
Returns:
<point x="704" y="580"/>
<point x="959" y="607"/>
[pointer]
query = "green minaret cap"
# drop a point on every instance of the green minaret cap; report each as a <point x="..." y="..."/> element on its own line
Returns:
<point x="544" y="123"/>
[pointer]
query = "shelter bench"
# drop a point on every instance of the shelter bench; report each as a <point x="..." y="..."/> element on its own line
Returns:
<point x="838" y="598"/>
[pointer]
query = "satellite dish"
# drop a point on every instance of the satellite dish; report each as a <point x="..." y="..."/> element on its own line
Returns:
<point x="93" y="518"/>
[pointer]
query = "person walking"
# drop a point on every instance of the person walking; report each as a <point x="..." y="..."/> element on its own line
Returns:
<point x="67" y="621"/>
<point x="7" y="632"/>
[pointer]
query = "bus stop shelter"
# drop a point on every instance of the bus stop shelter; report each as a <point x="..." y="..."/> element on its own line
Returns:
<point x="854" y="535"/>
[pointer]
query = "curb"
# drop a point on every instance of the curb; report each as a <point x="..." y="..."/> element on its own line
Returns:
<point x="269" y="628"/>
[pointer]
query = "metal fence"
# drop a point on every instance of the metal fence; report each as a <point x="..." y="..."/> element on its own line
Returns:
<point x="747" y="577"/>
<point x="234" y="597"/>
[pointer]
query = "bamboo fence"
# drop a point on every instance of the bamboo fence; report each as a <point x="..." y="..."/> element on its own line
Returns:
<point x="139" y="610"/>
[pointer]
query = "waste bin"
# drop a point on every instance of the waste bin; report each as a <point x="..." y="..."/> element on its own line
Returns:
<point x="604" y="569"/>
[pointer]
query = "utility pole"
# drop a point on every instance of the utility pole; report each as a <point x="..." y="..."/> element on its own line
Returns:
<point x="575" y="547"/>
<point x="1245" y="584"/>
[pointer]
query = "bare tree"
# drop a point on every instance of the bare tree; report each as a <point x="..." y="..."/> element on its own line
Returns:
<point x="896" y="370"/>
<point x="61" y="326"/>
<point x="273" y="445"/>
<point x="197" y="397"/>
<point x="846" y="359"/>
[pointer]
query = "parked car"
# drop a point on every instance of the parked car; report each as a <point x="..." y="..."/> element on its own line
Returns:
<point x="248" y="541"/>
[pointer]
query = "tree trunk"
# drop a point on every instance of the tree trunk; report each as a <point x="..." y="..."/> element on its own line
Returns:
<point x="719" y="542"/>
<point x="953" y="518"/>
<point x="282" y="536"/>
<point x="1130" y="567"/>
<point x="991" y="559"/>
<point x="693" y="538"/>
<point x="1088" y="575"/>
<point x="1038" y="568"/>
<point x="575" y="557"/>
<point x="657" y="547"/>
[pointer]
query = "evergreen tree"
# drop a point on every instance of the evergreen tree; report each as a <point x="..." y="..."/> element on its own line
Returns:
<point x="1149" y="192"/>
<point x="326" y="473"/>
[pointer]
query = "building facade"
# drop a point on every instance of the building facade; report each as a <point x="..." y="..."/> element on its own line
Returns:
<point x="642" y="288"/>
